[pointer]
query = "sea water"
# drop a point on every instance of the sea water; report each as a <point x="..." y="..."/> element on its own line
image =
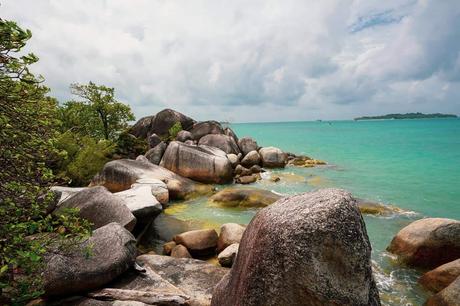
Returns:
<point x="410" y="164"/>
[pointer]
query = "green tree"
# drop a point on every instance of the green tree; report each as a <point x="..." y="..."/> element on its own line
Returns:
<point x="98" y="114"/>
<point x="28" y="121"/>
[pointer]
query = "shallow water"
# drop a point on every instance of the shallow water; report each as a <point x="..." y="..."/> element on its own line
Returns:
<point x="411" y="164"/>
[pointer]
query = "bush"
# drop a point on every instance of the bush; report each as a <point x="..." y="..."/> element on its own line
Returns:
<point x="174" y="130"/>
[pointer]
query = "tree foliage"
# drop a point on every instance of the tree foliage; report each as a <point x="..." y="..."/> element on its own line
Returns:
<point x="98" y="114"/>
<point x="28" y="121"/>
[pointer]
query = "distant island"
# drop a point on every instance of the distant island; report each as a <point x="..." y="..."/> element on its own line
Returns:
<point x="407" y="116"/>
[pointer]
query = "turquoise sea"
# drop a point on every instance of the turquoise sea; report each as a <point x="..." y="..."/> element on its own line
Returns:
<point x="410" y="164"/>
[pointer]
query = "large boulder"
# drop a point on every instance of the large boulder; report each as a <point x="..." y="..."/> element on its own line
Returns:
<point x="155" y="154"/>
<point x="428" y="242"/>
<point x="307" y="249"/>
<point x="200" y="163"/>
<point x="251" y="159"/>
<point x="230" y="233"/>
<point x="449" y="296"/>
<point x="223" y="142"/>
<point x="100" y="207"/>
<point x="112" y="250"/>
<point x="228" y="255"/>
<point x="244" y="197"/>
<point x="273" y="157"/>
<point x="119" y="175"/>
<point x="198" y="242"/>
<point x="166" y="118"/>
<point x="204" y="128"/>
<point x="441" y="277"/>
<point x="247" y="144"/>
<point x="140" y="201"/>
<point x="229" y="132"/>
<point x="157" y="188"/>
<point x="142" y="127"/>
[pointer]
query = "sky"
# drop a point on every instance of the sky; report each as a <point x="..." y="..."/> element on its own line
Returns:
<point x="250" y="61"/>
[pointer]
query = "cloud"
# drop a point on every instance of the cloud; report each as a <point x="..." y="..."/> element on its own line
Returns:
<point x="252" y="60"/>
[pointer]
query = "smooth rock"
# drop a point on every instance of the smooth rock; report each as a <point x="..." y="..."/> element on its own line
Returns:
<point x="441" y="277"/>
<point x="141" y="128"/>
<point x="179" y="251"/>
<point x="449" y="296"/>
<point x="119" y="175"/>
<point x="140" y="201"/>
<point x="247" y="144"/>
<point x="168" y="247"/>
<point x="112" y="252"/>
<point x="272" y="157"/>
<point x="183" y="136"/>
<point x="229" y="132"/>
<point x="142" y="158"/>
<point x="256" y="169"/>
<point x="154" y="140"/>
<point x="158" y="189"/>
<point x="246" y="179"/>
<point x="242" y="171"/>
<point x="223" y="142"/>
<point x="200" y="163"/>
<point x="244" y="197"/>
<point x="227" y="256"/>
<point x="307" y="249"/>
<point x="234" y="160"/>
<point x="155" y="154"/>
<point x="198" y="242"/>
<point x="166" y="118"/>
<point x="100" y="207"/>
<point x="251" y="159"/>
<point x="64" y="193"/>
<point x="428" y="242"/>
<point x="204" y="128"/>
<point x="230" y="233"/>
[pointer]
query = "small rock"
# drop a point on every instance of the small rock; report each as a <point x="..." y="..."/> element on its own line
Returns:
<point x="154" y="140"/>
<point x="247" y="179"/>
<point x="183" y="136"/>
<point x="227" y="256"/>
<point x="244" y="197"/>
<point x="256" y="169"/>
<point x="142" y="158"/>
<point x="155" y="154"/>
<point x="275" y="178"/>
<point x="273" y="157"/>
<point x="233" y="158"/>
<point x="230" y="233"/>
<point x="168" y="247"/>
<point x="180" y="251"/>
<point x="252" y="158"/>
<point x="198" y="242"/>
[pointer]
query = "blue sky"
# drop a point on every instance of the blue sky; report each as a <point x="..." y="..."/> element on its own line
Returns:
<point x="246" y="61"/>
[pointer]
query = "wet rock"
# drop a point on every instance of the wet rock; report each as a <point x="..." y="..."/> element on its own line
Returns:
<point x="154" y="140"/>
<point x="372" y="208"/>
<point x="119" y="175"/>
<point x="204" y="128"/>
<point x="308" y="249"/>
<point x="251" y="159"/>
<point x="227" y="256"/>
<point x="256" y="169"/>
<point x="198" y="242"/>
<point x="273" y="157"/>
<point x="100" y="207"/>
<point x="244" y="197"/>
<point x="449" y="296"/>
<point x="155" y="154"/>
<point x="183" y="136"/>
<point x="223" y="142"/>
<point x="247" y="144"/>
<point x="113" y="251"/>
<point x="242" y="171"/>
<point x="141" y="128"/>
<point x="441" y="277"/>
<point x="200" y="163"/>
<point x="305" y="161"/>
<point x="428" y="242"/>
<point x="247" y="179"/>
<point x="166" y="118"/>
<point x="179" y="251"/>
<point x="230" y="233"/>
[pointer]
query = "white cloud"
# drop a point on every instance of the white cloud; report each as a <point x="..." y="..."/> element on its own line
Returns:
<point x="252" y="60"/>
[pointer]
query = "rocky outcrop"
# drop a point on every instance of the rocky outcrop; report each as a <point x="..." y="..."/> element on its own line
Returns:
<point x="183" y="136"/>
<point x="230" y="233"/>
<point x="441" y="277"/>
<point x="119" y="175"/>
<point x="111" y="249"/>
<point x="204" y="128"/>
<point x="200" y="163"/>
<point x="100" y="207"/>
<point x="308" y="249"/>
<point x="155" y="154"/>
<point x="198" y="242"/>
<point x="244" y="197"/>
<point x="252" y="158"/>
<point x="228" y="255"/>
<point x="142" y="127"/>
<point x="247" y="144"/>
<point x="166" y="118"/>
<point x="272" y="157"/>
<point x="140" y="201"/>
<point x="223" y="142"/>
<point x="449" y="296"/>
<point x="428" y="242"/>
